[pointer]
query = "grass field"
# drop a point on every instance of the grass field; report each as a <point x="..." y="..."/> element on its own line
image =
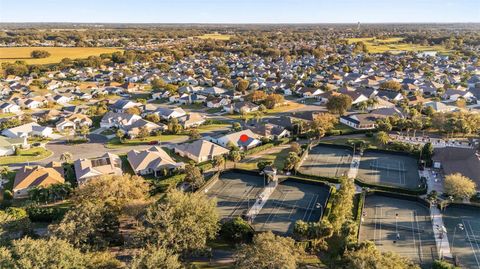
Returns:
<point x="393" y="45"/>
<point x="278" y="159"/>
<point x="215" y="36"/>
<point x="57" y="54"/>
<point x="115" y="142"/>
<point x="29" y="155"/>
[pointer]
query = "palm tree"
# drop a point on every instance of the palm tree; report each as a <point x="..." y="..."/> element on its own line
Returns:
<point x="363" y="105"/>
<point x="66" y="157"/>
<point x="218" y="161"/>
<point x="84" y="130"/>
<point x="382" y="137"/>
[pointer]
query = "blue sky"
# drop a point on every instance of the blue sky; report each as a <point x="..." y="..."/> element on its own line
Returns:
<point x="240" y="11"/>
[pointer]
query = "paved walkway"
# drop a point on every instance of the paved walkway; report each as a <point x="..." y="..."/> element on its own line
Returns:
<point x="262" y="199"/>
<point x="353" y="171"/>
<point x="441" y="237"/>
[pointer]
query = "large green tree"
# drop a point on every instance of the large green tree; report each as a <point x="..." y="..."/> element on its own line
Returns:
<point x="339" y="104"/>
<point x="155" y="257"/>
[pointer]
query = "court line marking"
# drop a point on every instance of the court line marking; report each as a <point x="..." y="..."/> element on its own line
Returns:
<point x="471" y="245"/>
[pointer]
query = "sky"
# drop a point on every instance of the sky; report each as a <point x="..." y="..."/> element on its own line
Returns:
<point x="240" y="11"/>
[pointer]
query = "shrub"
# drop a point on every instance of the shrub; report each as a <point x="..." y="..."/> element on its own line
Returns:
<point x="236" y="230"/>
<point x="40" y="54"/>
<point x="7" y="195"/>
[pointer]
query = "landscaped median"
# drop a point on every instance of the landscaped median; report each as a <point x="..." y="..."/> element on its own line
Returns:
<point x="115" y="142"/>
<point x="27" y="155"/>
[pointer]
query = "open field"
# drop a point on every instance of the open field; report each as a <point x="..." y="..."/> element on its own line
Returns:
<point x="393" y="45"/>
<point x="389" y="169"/>
<point x="215" y="36"/>
<point x="464" y="243"/>
<point x="27" y="155"/>
<point x="327" y="161"/>
<point x="57" y="54"/>
<point x="235" y="193"/>
<point x="291" y="201"/>
<point x="278" y="159"/>
<point x="399" y="226"/>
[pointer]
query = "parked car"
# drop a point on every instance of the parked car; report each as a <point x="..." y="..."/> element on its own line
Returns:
<point x="153" y="142"/>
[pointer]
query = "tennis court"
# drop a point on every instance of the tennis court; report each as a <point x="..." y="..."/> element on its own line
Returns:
<point x="326" y="161"/>
<point x="389" y="169"/>
<point x="235" y="193"/>
<point x="399" y="226"/>
<point x="291" y="201"/>
<point x="463" y="230"/>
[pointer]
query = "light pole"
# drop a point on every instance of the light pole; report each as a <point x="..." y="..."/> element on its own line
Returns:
<point x="459" y="226"/>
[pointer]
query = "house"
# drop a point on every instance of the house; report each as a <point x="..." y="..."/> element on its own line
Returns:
<point x="168" y="113"/>
<point x="271" y="131"/>
<point x="216" y="91"/>
<point x="61" y="99"/>
<point x="27" y="130"/>
<point x="8" y="145"/>
<point x="122" y="105"/>
<point x="29" y="177"/>
<point x="306" y="92"/>
<point x="390" y="95"/>
<point x="152" y="161"/>
<point x="192" y="120"/>
<point x="365" y="121"/>
<point x="245" y="139"/>
<point x="452" y="160"/>
<point x="133" y="129"/>
<point x="357" y="97"/>
<point x="241" y="107"/>
<point x="453" y="95"/>
<point x="440" y="107"/>
<point x="200" y="150"/>
<point x="107" y="164"/>
<point x="218" y="102"/>
<point x="73" y="122"/>
<point x="192" y="99"/>
<point x="9" y="108"/>
<point x="112" y="119"/>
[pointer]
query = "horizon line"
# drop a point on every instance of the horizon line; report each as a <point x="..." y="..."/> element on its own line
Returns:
<point x="241" y="23"/>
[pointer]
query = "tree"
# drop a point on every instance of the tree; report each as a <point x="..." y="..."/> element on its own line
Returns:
<point x="194" y="176"/>
<point x="382" y="137"/>
<point x="120" y="134"/>
<point x="342" y="205"/>
<point x="242" y="85"/>
<point x="273" y="100"/>
<point x="40" y="54"/>
<point x="153" y="118"/>
<point x="262" y="164"/>
<point x="153" y="257"/>
<point x="194" y="134"/>
<point x="84" y="130"/>
<point x="223" y="69"/>
<point x="268" y="251"/>
<point x="258" y="96"/>
<point x="391" y="85"/>
<point x="218" y="161"/>
<point x="384" y="125"/>
<point x="291" y="161"/>
<point x="235" y="156"/>
<point x="366" y="256"/>
<point x="323" y="123"/>
<point x="182" y="222"/>
<point x="339" y="104"/>
<point x="143" y="132"/>
<point x="66" y="157"/>
<point x="158" y="84"/>
<point x="174" y="127"/>
<point x="295" y="147"/>
<point x="237" y="230"/>
<point x="459" y="186"/>
<point x="236" y="126"/>
<point x="133" y="110"/>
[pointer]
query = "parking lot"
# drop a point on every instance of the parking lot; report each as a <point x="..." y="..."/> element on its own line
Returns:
<point x="400" y="226"/>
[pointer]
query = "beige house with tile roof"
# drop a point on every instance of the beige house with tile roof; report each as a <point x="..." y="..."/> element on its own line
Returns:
<point x="200" y="150"/>
<point x="152" y="161"/>
<point x="29" y="177"/>
<point x="107" y="164"/>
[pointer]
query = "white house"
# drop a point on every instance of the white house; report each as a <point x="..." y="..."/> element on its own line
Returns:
<point x="112" y="119"/>
<point x="29" y="129"/>
<point x="245" y="139"/>
<point x="9" y="108"/>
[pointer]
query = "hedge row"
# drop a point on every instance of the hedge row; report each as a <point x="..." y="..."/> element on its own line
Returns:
<point x="167" y="183"/>
<point x="46" y="214"/>
<point x="419" y="191"/>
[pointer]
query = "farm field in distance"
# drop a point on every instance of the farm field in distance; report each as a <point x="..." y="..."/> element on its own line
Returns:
<point x="12" y="54"/>
<point x="215" y="36"/>
<point x="393" y="45"/>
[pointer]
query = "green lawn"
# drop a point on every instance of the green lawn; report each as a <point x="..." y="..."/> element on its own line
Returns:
<point x="213" y="127"/>
<point x="394" y="45"/>
<point x="277" y="158"/>
<point x="29" y="155"/>
<point x="6" y="115"/>
<point x="370" y="141"/>
<point x="115" y="142"/>
<point x="193" y="106"/>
